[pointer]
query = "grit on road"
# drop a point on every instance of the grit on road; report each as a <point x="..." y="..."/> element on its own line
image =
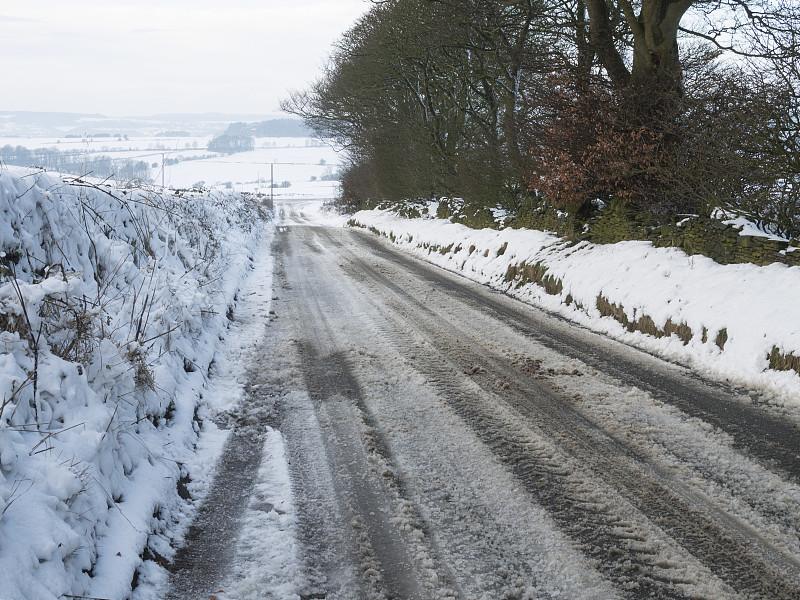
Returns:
<point x="444" y="441"/>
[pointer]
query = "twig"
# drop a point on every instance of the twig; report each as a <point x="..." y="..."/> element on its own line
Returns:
<point x="114" y="502"/>
<point x="155" y="337"/>
<point x="14" y="489"/>
<point x="52" y="434"/>
<point x="10" y="399"/>
<point x="34" y="340"/>
<point x="111" y="420"/>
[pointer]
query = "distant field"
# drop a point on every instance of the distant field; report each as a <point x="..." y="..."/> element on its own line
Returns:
<point x="308" y="165"/>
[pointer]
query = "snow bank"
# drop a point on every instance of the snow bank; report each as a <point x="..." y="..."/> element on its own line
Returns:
<point x="737" y="314"/>
<point x="113" y="303"/>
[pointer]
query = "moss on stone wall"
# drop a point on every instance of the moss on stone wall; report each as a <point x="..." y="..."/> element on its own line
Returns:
<point x="472" y="215"/>
<point x="709" y="237"/>
<point x="723" y="243"/>
<point x="536" y="214"/>
<point x="523" y="273"/>
<point x="783" y="362"/>
<point x="645" y="323"/>
<point x="722" y="338"/>
<point x="618" y="222"/>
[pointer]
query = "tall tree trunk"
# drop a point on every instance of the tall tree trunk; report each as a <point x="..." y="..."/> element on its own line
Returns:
<point x="656" y="65"/>
<point x="586" y="51"/>
<point x="601" y="36"/>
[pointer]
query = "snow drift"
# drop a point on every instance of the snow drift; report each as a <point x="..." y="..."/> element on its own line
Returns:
<point x="724" y="320"/>
<point x="113" y="303"/>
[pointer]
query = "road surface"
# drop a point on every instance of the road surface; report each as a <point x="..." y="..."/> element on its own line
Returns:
<point x="445" y="441"/>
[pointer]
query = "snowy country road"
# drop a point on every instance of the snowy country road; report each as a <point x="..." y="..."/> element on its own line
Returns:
<point x="445" y="441"/>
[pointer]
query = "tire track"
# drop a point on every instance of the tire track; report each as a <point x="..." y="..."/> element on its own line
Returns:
<point x="737" y="555"/>
<point x="388" y="558"/>
<point x="769" y="439"/>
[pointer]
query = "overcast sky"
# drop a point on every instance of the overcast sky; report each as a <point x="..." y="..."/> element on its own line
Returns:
<point x="140" y="57"/>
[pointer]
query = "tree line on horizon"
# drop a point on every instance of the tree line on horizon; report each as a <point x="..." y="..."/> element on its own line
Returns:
<point x="270" y="128"/>
<point x="667" y="107"/>
<point x="77" y="162"/>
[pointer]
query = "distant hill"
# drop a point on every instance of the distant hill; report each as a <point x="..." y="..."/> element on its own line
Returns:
<point x="270" y="128"/>
<point x="55" y="124"/>
<point x="26" y="123"/>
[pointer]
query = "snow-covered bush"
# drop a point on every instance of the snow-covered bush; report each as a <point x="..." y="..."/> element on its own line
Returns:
<point x="112" y="304"/>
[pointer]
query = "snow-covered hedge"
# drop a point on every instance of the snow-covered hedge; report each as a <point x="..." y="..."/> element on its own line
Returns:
<point x="112" y="305"/>
<point x="736" y="322"/>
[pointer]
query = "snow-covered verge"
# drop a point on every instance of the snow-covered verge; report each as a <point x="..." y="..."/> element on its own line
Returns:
<point x="113" y="303"/>
<point x="723" y="320"/>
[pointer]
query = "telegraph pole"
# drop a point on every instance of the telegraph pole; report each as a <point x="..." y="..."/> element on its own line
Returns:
<point x="271" y="182"/>
<point x="162" y="169"/>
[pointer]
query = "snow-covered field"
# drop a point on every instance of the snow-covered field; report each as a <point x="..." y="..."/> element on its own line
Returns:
<point x="113" y="303"/>
<point x="301" y="162"/>
<point x="755" y="306"/>
<point x="307" y="165"/>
